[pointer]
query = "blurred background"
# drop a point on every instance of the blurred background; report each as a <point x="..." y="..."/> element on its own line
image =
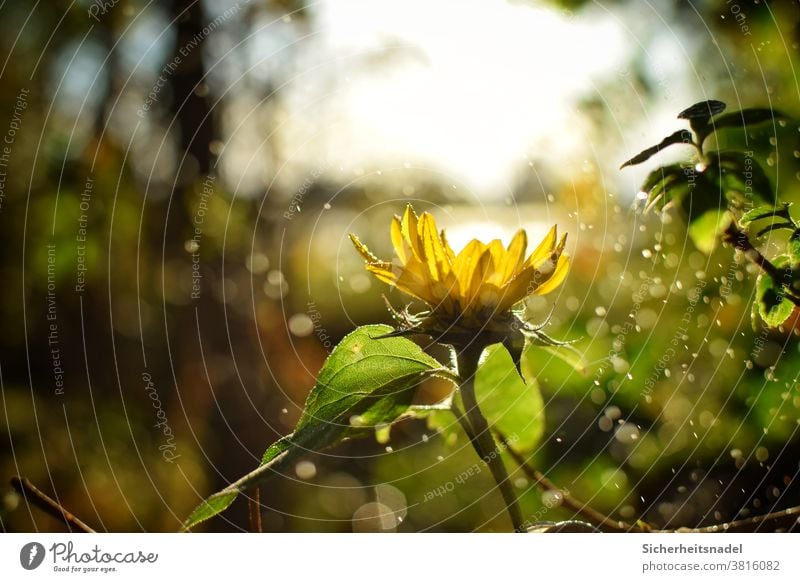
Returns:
<point x="177" y="182"/>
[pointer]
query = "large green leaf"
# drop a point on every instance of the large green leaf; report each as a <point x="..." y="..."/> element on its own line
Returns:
<point x="509" y="403"/>
<point x="367" y="381"/>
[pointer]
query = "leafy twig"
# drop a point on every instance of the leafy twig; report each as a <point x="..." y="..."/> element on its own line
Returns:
<point x="50" y="506"/>
<point x="603" y="522"/>
<point x="740" y="241"/>
<point x="784" y="519"/>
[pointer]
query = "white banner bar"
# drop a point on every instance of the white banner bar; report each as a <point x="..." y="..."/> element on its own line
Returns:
<point x="349" y="557"/>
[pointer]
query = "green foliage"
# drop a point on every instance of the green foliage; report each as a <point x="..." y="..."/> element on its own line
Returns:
<point x="719" y="179"/>
<point x="367" y="381"/>
<point x="774" y="306"/>
<point x="713" y="192"/>
<point x="510" y="403"/>
<point x="757" y="213"/>
<point x="705" y="230"/>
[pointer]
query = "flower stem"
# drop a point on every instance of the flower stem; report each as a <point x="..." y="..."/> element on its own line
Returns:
<point x="481" y="437"/>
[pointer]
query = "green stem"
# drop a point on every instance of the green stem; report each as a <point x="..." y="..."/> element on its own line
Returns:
<point x="481" y="437"/>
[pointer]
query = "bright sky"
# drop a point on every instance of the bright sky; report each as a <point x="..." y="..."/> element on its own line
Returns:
<point x="470" y="89"/>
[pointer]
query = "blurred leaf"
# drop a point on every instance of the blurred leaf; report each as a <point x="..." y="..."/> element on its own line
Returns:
<point x="775" y="226"/>
<point x="509" y="403"/>
<point x="742" y="175"/>
<point x="665" y="183"/>
<point x="564" y="352"/>
<point x="773" y="306"/>
<point x="703" y="194"/>
<point x="366" y="381"/>
<point x="707" y="230"/>
<point x="745" y="117"/>
<point x="681" y="136"/>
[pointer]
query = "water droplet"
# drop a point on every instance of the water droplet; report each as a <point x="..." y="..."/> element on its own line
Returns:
<point x="552" y="498"/>
<point x="257" y="263"/>
<point x="627" y="433"/>
<point x="301" y="325"/>
<point x="374" y="517"/>
<point x="305" y="470"/>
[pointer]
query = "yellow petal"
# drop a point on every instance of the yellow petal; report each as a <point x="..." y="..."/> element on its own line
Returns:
<point x="383" y="271"/>
<point x="399" y="244"/>
<point x="447" y="248"/>
<point x="482" y="271"/>
<point x="363" y="250"/>
<point x="542" y="252"/>
<point x="433" y="250"/>
<point x="518" y="288"/>
<point x="464" y="265"/>
<point x="409" y="228"/>
<point x="516" y="253"/>
<point x="402" y="279"/>
<point x="556" y="278"/>
<point x="496" y="275"/>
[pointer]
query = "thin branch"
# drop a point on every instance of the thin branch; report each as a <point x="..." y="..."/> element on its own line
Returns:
<point x="254" y="511"/>
<point x="785" y="519"/>
<point x="34" y="496"/>
<point x="740" y="241"/>
<point x="603" y="522"/>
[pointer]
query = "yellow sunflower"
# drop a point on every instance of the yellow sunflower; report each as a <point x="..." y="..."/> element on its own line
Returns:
<point x="473" y="290"/>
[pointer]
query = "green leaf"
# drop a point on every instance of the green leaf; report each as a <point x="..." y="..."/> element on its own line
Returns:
<point x="567" y="354"/>
<point x="776" y="226"/>
<point x="210" y="507"/>
<point x="700" y="113"/>
<point x="681" y="136"/>
<point x="367" y="381"/>
<point x="741" y="177"/>
<point x="757" y="213"/>
<point x="745" y="117"/>
<point x="773" y="306"/>
<point x="704" y="195"/>
<point x="707" y="230"/>
<point x="667" y="183"/>
<point x="794" y="247"/>
<point x="704" y="110"/>
<point x="512" y="405"/>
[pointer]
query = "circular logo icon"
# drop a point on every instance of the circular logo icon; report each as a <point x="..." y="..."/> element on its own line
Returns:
<point x="31" y="555"/>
